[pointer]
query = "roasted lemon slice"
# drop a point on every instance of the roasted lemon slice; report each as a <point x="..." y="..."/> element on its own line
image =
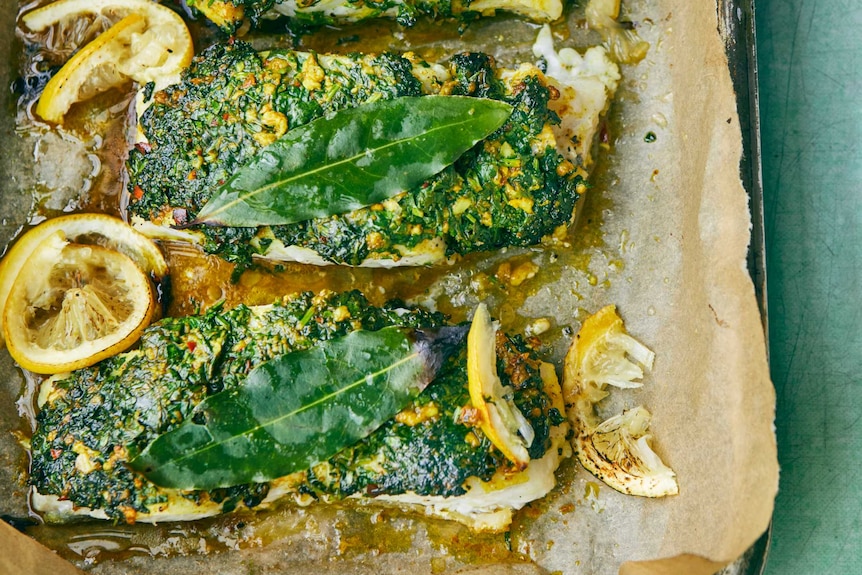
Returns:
<point x="149" y="43"/>
<point x="91" y="229"/>
<point x="74" y="305"/>
<point x="617" y="450"/>
<point x="500" y="420"/>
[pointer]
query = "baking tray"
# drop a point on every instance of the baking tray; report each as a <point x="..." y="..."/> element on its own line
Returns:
<point x="736" y="20"/>
<point x="736" y="25"/>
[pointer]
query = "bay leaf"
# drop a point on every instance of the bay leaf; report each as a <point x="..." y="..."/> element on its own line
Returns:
<point x="357" y="157"/>
<point x="299" y="409"/>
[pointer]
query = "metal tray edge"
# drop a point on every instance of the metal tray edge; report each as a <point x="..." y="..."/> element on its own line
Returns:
<point x="736" y="21"/>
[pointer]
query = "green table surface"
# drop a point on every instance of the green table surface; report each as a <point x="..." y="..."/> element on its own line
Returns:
<point x="810" y="60"/>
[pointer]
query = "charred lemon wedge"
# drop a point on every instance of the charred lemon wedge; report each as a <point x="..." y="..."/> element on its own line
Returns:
<point x="616" y="450"/>
<point x="602" y="351"/>
<point x="73" y="305"/>
<point x="148" y="43"/>
<point x="499" y="418"/>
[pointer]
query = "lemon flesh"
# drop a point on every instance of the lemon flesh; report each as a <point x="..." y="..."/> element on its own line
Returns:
<point x="90" y="229"/>
<point x="622" y="41"/>
<point x="74" y="305"/>
<point x="149" y="43"/>
<point x="616" y="450"/>
<point x="499" y="418"/>
<point x="601" y="356"/>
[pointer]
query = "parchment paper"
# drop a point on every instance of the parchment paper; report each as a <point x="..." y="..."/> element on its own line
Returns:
<point x="669" y="228"/>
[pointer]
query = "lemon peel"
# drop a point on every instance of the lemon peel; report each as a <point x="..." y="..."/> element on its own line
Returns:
<point x="499" y="419"/>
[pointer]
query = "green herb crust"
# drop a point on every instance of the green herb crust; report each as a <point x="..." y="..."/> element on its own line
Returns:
<point x="509" y="190"/>
<point x="314" y="12"/>
<point x="230" y="15"/>
<point x="94" y="419"/>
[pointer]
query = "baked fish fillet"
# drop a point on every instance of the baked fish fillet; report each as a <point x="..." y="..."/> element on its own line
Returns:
<point x="232" y="15"/>
<point x="512" y="189"/>
<point x="432" y="455"/>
